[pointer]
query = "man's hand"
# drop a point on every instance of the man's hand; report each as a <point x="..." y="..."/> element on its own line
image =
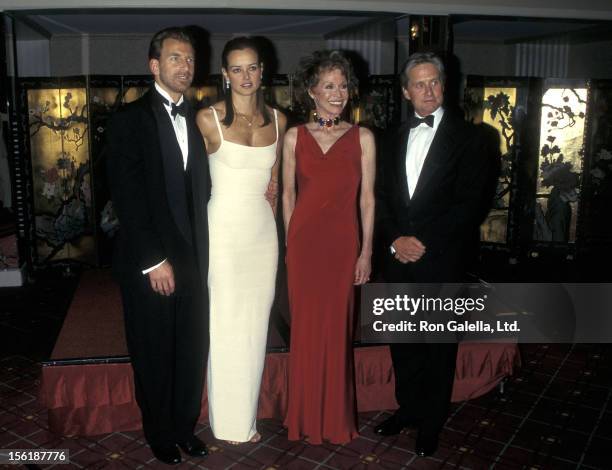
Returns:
<point x="162" y="279"/>
<point x="408" y="249"/>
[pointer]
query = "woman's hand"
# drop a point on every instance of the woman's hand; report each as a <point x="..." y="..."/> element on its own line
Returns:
<point x="272" y="194"/>
<point x="363" y="269"/>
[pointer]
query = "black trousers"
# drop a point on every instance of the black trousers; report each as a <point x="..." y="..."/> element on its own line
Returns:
<point x="424" y="376"/>
<point x="167" y="339"/>
<point x="424" y="372"/>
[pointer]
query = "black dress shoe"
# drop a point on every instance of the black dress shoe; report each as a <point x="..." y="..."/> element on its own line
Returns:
<point x="389" y="427"/>
<point x="168" y="454"/>
<point x="426" y="445"/>
<point x="194" y="447"/>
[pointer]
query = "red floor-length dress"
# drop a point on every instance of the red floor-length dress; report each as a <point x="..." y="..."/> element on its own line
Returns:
<point x="322" y="249"/>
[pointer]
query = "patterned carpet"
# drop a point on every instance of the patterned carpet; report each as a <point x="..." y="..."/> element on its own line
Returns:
<point x="555" y="413"/>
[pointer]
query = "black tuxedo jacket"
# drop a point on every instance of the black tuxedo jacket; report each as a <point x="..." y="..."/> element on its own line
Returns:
<point x="446" y="208"/>
<point x="161" y="207"/>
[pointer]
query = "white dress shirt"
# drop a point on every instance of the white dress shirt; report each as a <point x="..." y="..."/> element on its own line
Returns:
<point x="419" y="141"/>
<point x="179" y="124"/>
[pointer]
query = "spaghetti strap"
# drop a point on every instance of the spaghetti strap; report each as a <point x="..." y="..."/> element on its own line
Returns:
<point x="218" y="123"/>
<point x="276" y="122"/>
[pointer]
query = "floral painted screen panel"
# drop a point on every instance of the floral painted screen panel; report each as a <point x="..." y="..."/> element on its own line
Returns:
<point x="132" y="93"/>
<point x="9" y="255"/>
<point x="203" y="96"/>
<point x="59" y="144"/>
<point x="281" y="96"/>
<point x="596" y="222"/>
<point x="560" y="164"/>
<point x="499" y="105"/>
<point x="103" y="102"/>
<point x="494" y="106"/>
<point x="378" y="104"/>
<point x="278" y="92"/>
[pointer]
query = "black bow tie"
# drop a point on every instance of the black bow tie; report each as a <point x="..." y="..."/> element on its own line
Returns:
<point x="416" y="121"/>
<point x="180" y="109"/>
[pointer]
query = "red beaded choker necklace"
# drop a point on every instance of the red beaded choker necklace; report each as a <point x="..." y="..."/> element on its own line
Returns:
<point x="326" y="122"/>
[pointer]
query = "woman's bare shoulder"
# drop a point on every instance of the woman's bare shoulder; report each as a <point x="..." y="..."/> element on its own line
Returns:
<point x="206" y="116"/>
<point x="292" y="132"/>
<point x="365" y="134"/>
<point x="282" y="119"/>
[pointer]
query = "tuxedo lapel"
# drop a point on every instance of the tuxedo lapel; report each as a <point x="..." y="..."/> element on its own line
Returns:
<point x="198" y="182"/>
<point x="400" y="155"/>
<point x="174" y="173"/>
<point x="197" y="163"/>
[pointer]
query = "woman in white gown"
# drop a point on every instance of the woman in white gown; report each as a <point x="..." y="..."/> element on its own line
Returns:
<point x="243" y="138"/>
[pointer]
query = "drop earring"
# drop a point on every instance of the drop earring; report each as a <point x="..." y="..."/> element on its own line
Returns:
<point x="227" y="85"/>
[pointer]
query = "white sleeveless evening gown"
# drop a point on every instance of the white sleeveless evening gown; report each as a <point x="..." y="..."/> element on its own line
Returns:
<point x="241" y="283"/>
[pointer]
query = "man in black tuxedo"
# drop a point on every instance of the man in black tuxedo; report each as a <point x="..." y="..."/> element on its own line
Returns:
<point x="430" y="192"/>
<point x="160" y="184"/>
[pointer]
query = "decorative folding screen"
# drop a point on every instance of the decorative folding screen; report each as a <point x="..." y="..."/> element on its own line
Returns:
<point x="562" y="133"/>
<point x="499" y="104"/>
<point x="66" y="122"/>
<point x="58" y="123"/>
<point x="556" y="176"/>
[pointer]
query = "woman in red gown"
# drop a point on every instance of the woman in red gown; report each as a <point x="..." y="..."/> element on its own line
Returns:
<point x="328" y="174"/>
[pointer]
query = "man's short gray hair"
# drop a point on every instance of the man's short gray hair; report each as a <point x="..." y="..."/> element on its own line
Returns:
<point x="419" y="58"/>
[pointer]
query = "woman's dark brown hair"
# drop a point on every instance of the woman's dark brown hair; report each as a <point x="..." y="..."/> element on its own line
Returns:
<point x="239" y="44"/>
